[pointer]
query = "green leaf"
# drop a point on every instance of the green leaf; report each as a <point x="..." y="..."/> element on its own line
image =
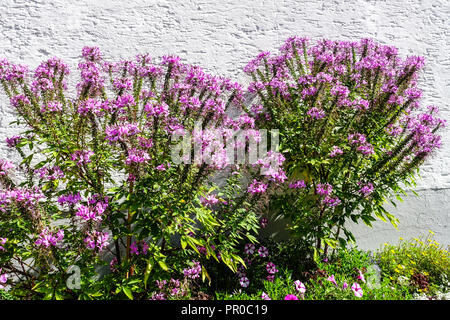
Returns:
<point x="96" y="294"/>
<point x="27" y="160"/>
<point x="331" y="242"/>
<point x="148" y="270"/>
<point x="316" y="256"/>
<point x="205" y="275"/>
<point x="183" y="243"/>
<point x="37" y="285"/>
<point x="380" y="215"/>
<point x="342" y="242"/>
<point x="128" y="292"/>
<point x="368" y="220"/>
<point x="59" y="296"/>
<point x="163" y="265"/>
<point x="48" y="296"/>
<point x="41" y="164"/>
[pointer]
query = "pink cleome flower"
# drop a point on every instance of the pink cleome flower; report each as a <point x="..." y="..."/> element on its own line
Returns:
<point x="3" y="279"/>
<point x="47" y="239"/>
<point x="5" y="166"/>
<point x="257" y="187"/>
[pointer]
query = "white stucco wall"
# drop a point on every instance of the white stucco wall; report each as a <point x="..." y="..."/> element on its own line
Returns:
<point x="222" y="36"/>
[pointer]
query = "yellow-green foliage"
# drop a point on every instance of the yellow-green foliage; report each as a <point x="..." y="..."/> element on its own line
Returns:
<point x="423" y="256"/>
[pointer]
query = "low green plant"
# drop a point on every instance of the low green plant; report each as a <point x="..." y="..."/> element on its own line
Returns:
<point x="350" y="274"/>
<point x="422" y="263"/>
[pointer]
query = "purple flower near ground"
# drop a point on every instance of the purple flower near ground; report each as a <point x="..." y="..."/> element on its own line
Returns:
<point x="249" y="248"/>
<point x="161" y="284"/>
<point x="357" y="290"/>
<point x="244" y="282"/>
<point x="361" y="276"/>
<point x="161" y="167"/>
<point x="209" y="200"/>
<point x="159" y="296"/>
<point x="271" y="268"/>
<point x="113" y="264"/>
<point x="300" y="287"/>
<point x="263" y="252"/>
<point x="264" y="222"/>
<point x="332" y="280"/>
<point x="291" y="297"/>
<point x="265" y="296"/>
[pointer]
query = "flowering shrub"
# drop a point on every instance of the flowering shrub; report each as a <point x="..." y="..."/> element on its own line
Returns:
<point x="352" y="131"/>
<point x="105" y="182"/>
<point x="100" y="184"/>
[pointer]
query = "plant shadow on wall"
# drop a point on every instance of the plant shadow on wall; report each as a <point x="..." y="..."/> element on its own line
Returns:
<point x="102" y="182"/>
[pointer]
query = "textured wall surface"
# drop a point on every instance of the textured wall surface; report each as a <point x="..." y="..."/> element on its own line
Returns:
<point x="222" y="36"/>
